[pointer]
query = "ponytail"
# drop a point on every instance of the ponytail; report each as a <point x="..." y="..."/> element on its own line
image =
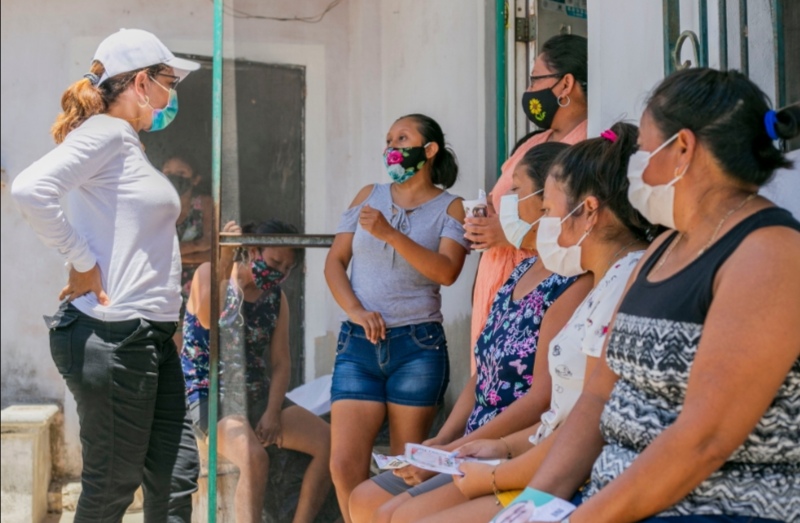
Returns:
<point x="598" y="167"/>
<point x="445" y="165"/>
<point x="80" y="101"/>
<point x="85" y="98"/>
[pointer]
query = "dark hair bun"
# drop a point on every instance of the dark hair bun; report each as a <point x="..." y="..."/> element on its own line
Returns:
<point x="445" y="166"/>
<point x="787" y="122"/>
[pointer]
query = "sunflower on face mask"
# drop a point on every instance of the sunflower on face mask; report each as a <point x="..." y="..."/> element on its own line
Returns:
<point x="535" y="108"/>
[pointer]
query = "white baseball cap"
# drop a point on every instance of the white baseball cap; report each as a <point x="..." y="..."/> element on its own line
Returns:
<point x="132" y="49"/>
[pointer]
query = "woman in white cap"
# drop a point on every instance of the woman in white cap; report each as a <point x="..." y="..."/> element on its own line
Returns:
<point x="111" y="339"/>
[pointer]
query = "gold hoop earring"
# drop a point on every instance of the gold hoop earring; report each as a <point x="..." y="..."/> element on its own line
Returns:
<point x="558" y="100"/>
<point x="145" y="104"/>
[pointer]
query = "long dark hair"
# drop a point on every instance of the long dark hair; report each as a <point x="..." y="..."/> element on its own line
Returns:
<point x="728" y="114"/>
<point x="568" y="54"/>
<point x="599" y="167"/>
<point x="445" y="165"/>
<point x="538" y="160"/>
<point x="564" y="54"/>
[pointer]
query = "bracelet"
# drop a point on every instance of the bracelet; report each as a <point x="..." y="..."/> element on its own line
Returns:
<point x="494" y="488"/>
<point x="508" y="447"/>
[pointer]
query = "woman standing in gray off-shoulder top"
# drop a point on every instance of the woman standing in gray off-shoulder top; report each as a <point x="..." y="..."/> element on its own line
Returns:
<point x="405" y="240"/>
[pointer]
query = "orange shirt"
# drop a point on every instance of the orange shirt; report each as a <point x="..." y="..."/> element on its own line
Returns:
<point x="497" y="263"/>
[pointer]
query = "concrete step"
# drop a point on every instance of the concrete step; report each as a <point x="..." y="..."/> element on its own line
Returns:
<point x="26" y="462"/>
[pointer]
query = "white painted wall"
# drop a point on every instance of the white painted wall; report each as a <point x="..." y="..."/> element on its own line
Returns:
<point x="367" y="63"/>
<point x="625" y="65"/>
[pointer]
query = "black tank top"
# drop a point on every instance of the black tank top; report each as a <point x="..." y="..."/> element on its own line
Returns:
<point x="652" y="346"/>
<point x="686" y="295"/>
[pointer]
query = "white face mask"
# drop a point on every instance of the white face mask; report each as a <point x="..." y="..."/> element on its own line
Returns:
<point x="513" y="226"/>
<point x="655" y="202"/>
<point x="565" y="261"/>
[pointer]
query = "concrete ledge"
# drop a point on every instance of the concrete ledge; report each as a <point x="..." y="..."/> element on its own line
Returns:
<point x="26" y="461"/>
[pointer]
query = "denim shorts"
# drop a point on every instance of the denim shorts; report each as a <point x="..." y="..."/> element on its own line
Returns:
<point x="410" y="367"/>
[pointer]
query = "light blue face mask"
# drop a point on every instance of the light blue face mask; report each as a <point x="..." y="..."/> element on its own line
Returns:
<point x="163" y="117"/>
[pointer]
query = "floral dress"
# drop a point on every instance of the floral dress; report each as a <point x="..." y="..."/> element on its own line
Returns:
<point x="506" y="348"/>
<point x="189" y="230"/>
<point x="246" y="330"/>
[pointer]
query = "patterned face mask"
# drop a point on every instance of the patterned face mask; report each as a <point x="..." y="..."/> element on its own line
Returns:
<point x="540" y="107"/>
<point x="164" y="116"/>
<point x="265" y="276"/>
<point x="403" y="163"/>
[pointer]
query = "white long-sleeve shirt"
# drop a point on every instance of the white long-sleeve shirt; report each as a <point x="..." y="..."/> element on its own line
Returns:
<point x="122" y="214"/>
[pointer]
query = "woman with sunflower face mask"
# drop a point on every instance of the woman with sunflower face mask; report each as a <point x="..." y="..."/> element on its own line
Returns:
<point x="556" y="103"/>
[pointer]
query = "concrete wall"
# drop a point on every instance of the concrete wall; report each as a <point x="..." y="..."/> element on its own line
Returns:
<point x="367" y="63"/>
<point x="625" y="65"/>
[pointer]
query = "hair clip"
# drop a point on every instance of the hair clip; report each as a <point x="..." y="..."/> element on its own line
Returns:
<point x="93" y="78"/>
<point x="609" y="135"/>
<point x="770" y="119"/>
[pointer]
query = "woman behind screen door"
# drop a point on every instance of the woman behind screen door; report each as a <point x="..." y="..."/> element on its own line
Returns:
<point x="111" y="339"/>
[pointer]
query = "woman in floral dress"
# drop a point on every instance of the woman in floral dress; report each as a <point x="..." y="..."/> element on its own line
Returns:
<point x="254" y="374"/>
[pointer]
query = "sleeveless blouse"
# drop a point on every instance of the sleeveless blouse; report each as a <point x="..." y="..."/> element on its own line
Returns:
<point x="506" y="349"/>
<point x="382" y="280"/>
<point x="497" y="263"/>
<point x="652" y="347"/>
<point x="246" y="330"/>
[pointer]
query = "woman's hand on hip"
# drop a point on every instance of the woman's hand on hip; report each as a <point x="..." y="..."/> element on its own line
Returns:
<point x="374" y="326"/>
<point x="485" y="233"/>
<point x="80" y="283"/>
<point x="374" y="222"/>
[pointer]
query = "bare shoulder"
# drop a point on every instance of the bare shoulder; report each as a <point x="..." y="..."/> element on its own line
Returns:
<point x="773" y="250"/>
<point x="456" y="209"/>
<point x="203" y="272"/>
<point x="362" y="195"/>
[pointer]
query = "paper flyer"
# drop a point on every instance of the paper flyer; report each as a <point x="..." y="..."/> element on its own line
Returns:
<point x="389" y="462"/>
<point x="440" y="461"/>
<point x="432" y="459"/>
<point x="534" y="505"/>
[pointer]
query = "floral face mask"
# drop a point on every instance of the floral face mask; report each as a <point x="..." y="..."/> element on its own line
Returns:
<point x="403" y="163"/>
<point x="265" y="276"/>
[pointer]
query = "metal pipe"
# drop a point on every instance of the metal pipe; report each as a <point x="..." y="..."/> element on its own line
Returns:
<point x="744" y="49"/>
<point x="723" y="34"/>
<point x="501" y="14"/>
<point x="277" y="240"/>
<point x="216" y="193"/>
<point x="671" y="16"/>
<point x="703" y="33"/>
<point x="780" y="53"/>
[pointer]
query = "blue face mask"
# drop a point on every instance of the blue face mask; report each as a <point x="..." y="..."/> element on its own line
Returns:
<point x="163" y="117"/>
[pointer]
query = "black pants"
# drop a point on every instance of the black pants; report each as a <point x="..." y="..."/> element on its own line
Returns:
<point x="128" y="385"/>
